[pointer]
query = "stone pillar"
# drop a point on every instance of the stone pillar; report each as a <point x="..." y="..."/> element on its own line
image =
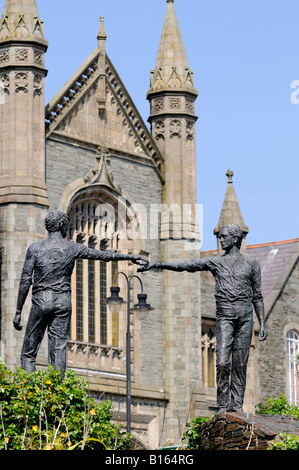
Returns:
<point x="172" y="117"/>
<point x="23" y="192"/>
<point x="182" y="337"/>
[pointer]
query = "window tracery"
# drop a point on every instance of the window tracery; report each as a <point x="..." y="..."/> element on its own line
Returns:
<point x="91" y="279"/>
<point x="208" y="344"/>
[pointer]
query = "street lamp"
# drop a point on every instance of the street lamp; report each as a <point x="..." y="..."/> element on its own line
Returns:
<point x="114" y="302"/>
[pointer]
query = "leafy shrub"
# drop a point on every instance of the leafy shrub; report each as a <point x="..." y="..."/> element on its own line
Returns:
<point x="278" y="406"/>
<point x="42" y="411"/>
<point x="191" y="435"/>
<point x="287" y="442"/>
<point x="281" y="406"/>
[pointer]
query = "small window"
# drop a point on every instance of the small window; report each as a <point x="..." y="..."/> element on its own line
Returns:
<point x="208" y="344"/>
<point x="292" y="367"/>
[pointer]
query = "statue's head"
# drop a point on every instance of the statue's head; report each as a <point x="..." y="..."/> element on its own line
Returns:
<point x="230" y="235"/>
<point x="57" y="221"/>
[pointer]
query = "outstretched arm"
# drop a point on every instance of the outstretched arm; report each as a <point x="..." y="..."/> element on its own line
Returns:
<point x="25" y="283"/>
<point x="107" y="255"/>
<point x="189" y="265"/>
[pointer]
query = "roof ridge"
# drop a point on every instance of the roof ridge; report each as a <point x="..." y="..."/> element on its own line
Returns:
<point x="74" y="87"/>
<point x="282" y="242"/>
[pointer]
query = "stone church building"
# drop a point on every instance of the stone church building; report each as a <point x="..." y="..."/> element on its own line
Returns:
<point x="127" y="187"/>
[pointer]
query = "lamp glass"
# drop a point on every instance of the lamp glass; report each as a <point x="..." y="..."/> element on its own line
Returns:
<point x="114" y="302"/>
<point x="114" y="307"/>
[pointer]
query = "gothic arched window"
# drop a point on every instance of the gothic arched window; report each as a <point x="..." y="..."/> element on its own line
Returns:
<point x="292" y="366"/>
<point x="91" y="225"/>
<point x="101" y="219"/>
<point x="208" y="344"/>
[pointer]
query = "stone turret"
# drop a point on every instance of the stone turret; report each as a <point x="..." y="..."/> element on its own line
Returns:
<point x="172" y="98"/>
<point x="172" y="71"/>
<point x="23" y="192"/>
<point x="20" y="22"/>
<point x="22" y="131"/>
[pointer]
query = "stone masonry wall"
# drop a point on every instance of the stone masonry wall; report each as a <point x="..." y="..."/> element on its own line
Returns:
<point x="20" y="226"/>
<point x="271" y="354"/>
<point x="240" y="431"/>
<point x="65" y="164"/>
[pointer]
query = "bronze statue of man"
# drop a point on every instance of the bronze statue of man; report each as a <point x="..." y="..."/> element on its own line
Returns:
<point x="48" y="266"/>
<point x="237" y="291"/>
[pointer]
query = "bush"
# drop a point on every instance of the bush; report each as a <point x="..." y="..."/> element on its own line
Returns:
<point x="191" y="435"/>
<point x="287" y="442"/>
<point x="281" y="406"/>
<point x="42" y="411"/>
<point x="278" y="406"/>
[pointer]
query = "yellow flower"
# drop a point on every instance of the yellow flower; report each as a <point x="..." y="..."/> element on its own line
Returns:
<point x="92" y="412"/>
<point x="48" y="382"/>
<point x="7" y="440"/>
<point x="37" y="389"/>
<point x="53" y="408"/>
<point x="35" y="428"/>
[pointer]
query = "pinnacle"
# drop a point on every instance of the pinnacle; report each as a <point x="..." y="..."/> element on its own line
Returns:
<point x="20" y="21"/>
<point x="231" y="212"/>
<point x="171" y="50"/>
<point x="230" y="175"/>
<point x="102" y="33"/>
<point x="172" y="69"/>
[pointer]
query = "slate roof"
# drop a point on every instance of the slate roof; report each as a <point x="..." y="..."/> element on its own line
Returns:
<point x="277" y="259"/>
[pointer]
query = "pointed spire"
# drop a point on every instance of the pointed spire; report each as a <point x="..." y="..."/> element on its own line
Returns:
<point x="231" y="212"/>
<point x="172" y="71"/>
<point x="102" y="36"/>
<point x="20" y="21"/>
<point x="101" y="88"/>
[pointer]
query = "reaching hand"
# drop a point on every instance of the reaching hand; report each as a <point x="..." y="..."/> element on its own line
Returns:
<point x="140" y="260"/>
<point x="17" y="321"/>
<point x="145" y="267"/>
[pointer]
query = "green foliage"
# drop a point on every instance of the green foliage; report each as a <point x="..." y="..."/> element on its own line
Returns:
<point x="278" y="406"/>
<point x="287" y="442"/>
<point x="42" y="411"/>
<point x="281" y="406"/>
<point x="191" y="435"/>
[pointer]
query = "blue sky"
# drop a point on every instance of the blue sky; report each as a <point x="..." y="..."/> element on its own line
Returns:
<point x="244" y="55"/>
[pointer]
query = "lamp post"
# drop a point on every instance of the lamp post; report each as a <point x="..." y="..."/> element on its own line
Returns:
<point x="114" y="302"/>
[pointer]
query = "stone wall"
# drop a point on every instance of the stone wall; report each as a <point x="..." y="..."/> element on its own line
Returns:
<point x="240" y="431"/>
<point x="20" y="225"/>
<point x="141" y="184"/>
<point x="272" y="353"/>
